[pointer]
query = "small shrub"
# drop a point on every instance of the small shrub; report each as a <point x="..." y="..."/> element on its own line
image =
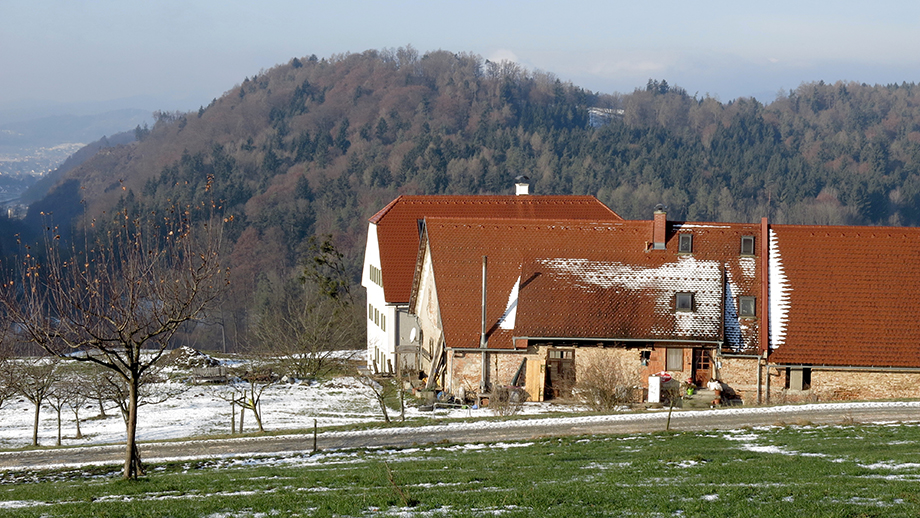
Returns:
<point x="607" y="384"/>
<point x="507" y="401"/>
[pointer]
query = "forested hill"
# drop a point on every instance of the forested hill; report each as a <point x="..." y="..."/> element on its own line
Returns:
<point x="315" y="146"/>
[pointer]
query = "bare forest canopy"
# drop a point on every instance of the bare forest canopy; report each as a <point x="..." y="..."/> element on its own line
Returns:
<point x="316" y="146"/>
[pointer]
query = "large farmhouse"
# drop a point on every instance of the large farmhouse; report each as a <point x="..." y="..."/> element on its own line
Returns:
<point x="392" y="247"/>
<point x="773" y="311"/>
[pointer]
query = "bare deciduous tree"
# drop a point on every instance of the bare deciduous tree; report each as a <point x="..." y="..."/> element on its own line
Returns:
<point x="308" y="331"/>
<point x="381" y="392"/>
<point x="118" y="300"/>
<point x="34" y="378"/>
<point x="246" y="389"/>
<point x="75" y="386"/>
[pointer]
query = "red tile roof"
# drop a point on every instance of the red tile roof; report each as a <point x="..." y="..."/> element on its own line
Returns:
<point x="851" y="293"/>
<point x="397" y="225"/>
<point x="581" y="280"/>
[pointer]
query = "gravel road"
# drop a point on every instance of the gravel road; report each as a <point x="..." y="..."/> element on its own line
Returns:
<point x="471" y="432"/>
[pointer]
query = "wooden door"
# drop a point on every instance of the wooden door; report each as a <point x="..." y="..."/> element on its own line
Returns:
<point x="560" y="373"/>
<point x="536" y="379"/>
<point x="702" y="367"/>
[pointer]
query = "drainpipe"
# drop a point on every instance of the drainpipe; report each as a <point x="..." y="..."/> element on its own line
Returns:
<point x="765" y="300"/>
<point x="483" y="340"/>
<point x="767" y="383"/>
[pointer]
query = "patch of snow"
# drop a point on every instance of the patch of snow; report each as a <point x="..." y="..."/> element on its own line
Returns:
<point x="779" y="294"/>
<point x="507" y="320"/>
<point x="679" y="226"/>
<point x="732" y="323"/>
<point x="748" y="266"/>
<point x="890" y="465"/>
<point x="703" y="278"/>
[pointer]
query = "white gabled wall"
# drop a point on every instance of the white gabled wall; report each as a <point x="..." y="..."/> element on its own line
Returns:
<point x="379" y="318"/>
<point x="428" y="312"/>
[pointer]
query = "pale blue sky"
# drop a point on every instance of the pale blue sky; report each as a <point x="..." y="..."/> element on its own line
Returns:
<point x="185" y="52"/>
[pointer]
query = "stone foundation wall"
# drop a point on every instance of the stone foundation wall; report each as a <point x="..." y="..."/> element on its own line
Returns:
<point x="465" y="370"/>
<point x="843" y="385"/>
<point x="740" y="375"/>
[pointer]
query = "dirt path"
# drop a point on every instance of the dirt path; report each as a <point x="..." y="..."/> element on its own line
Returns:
<point x="471" y="432"/>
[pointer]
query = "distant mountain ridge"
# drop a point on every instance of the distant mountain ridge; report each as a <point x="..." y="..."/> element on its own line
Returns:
<point x="315" y="146"/>
<point x="57" y="129"/>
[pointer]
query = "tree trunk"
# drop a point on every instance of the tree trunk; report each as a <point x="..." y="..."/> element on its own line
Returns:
<point x="133" y="466"/>
<point x="76" y="415"/>
<point x="383" y="407"/>
<point x="242" y="411"/>
<point x="38" y="407"/>
<point x="59" y="426"/>
<point x="258" y="416"/>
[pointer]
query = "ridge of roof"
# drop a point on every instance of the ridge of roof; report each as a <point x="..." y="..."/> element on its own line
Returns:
<point x="383" y="212"/>
<point x="397" y="225"/>
<point x="491" y="200"/>
<point x="846" y="228"/>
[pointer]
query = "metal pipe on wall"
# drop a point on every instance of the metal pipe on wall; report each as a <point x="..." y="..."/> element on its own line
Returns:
<point x="483" y="340"/>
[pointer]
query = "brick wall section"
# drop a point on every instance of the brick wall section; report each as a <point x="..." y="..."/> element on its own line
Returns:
<point x="465" y="369"/>
<point x="740" y="374"/>
<point x="846" y="386"/>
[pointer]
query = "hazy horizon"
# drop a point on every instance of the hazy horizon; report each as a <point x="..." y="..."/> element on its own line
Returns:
<point x="174" y="55"/>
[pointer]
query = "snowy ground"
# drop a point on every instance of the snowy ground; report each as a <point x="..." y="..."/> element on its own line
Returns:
<point x="199" y="410"/>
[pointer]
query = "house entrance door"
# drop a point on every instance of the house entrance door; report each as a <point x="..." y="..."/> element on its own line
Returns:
<point x="560" y="373"/>
<point x="702" y="367"/>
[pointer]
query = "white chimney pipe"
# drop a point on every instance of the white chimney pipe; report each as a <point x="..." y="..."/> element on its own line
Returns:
<point x="521" y="187"/>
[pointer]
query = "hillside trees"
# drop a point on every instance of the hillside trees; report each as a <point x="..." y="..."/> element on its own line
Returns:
<point x="312" y="317"/>
<point x="116" y="300"/>
<point x="316" y="146"/>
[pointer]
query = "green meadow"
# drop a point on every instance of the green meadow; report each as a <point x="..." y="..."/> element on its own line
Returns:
<point x="845" y="471"/>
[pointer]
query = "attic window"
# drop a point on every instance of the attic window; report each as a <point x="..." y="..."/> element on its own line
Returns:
<point x="747" y="306"/>
<point x="683" y="302"/>
<point x="747" y="245"/>
<point x="685" y="243"/>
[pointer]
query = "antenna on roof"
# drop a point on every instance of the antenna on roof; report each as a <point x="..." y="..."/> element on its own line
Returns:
<point x="521" y="185"/>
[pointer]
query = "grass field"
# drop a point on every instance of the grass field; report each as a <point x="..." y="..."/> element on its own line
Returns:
<point x="790" y="471"/>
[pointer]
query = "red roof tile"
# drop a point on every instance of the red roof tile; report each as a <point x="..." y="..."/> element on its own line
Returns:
<point x="397" y="225"/>
<point x="852" y="295"/>
<point x="581" y="280"/>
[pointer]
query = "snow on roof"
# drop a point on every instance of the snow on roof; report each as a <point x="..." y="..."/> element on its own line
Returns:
<point x="779" y="294"/>
<point x="507" y="320"/>
<point x="640" y="299"/>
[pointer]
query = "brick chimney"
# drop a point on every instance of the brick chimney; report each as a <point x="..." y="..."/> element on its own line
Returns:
<point x="660" y="227"/>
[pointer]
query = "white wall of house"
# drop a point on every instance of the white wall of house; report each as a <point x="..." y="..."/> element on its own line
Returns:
<point x="380" y="317"/>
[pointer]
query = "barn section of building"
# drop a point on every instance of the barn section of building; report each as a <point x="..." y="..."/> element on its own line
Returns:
<point x="776" y="312"/>
<point x="562" y="294"/>
<point x="845" y="316"/>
